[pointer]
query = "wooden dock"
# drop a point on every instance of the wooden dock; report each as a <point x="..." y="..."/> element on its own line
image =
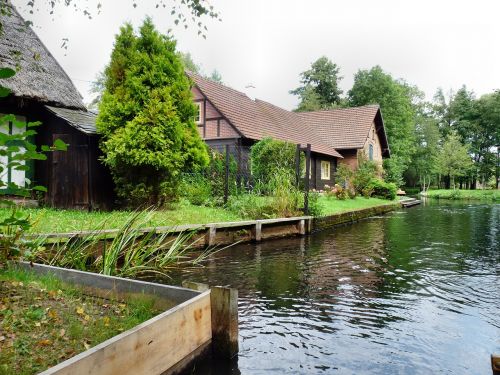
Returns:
<point x="410" y="202"/>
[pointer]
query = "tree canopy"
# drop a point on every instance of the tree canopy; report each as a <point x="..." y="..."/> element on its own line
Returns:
<point x="319" y="86"/>
<point x="146" y="117"/>
<point x="395" y="98"/>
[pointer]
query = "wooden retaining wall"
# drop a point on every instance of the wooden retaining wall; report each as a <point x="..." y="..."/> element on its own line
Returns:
<point x="164" y="344"/>
<point x="206" y="234"/>
<point x="326" y="222"/>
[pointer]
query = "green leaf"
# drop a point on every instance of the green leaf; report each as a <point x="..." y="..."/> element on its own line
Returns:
<point x="40" y="188"/>
<point x="7" y="73"/>
<point x="4" y="91"/>
<point x="60" y="145"/>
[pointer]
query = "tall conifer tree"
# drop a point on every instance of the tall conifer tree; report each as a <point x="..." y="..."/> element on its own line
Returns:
<point x="146" y="118"/>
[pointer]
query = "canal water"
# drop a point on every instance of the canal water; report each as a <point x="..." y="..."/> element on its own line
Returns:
<point x="416" y="291"/>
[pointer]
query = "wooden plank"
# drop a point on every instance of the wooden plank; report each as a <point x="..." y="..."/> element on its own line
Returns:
<point x="224" y="302"/>
<point x="150" y="348"/>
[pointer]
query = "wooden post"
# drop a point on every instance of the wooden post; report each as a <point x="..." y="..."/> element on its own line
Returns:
<point x="226" y="176"/>
<point x="210" y="236"/>
<point x="307" y="179"/>
<point x="258" y="231"/>
<point x="302" y="227"/>
<point x="224" y="306"/>
<point x="297" y="166"/>
<point x="495" y="364"/>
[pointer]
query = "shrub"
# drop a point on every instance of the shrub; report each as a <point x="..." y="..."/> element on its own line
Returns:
<point x="315" y="207"/>
<point x="197" y="189"/>
<point x="269" y="157"/>
<point x="367" y="171"/>
<point x="455" y="195"/>
<point x="381" y="189"/>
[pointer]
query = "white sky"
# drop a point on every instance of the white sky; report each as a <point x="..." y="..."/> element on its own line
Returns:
<point x="267" y="43"/>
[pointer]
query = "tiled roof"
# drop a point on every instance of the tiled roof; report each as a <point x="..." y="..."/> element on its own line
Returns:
<point x="83" y="121"/>
<point x="326" y="130"/>
<point x="342" y="128"/>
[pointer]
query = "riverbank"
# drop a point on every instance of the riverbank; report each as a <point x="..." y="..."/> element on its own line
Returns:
<point x="456" y="194"/>
<point x="49" y="220"/>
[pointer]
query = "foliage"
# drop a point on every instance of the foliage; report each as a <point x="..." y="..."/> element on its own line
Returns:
<point x="18" y="151"/>
<point x="453" y="159"/>
<point x="146" y="118"/>
<point x="395" y="98"/>
<point x="281" y="199"/>
<point x="316" y="209"/>
<point x="269" y="157"/>
<point x="479" y="195"/>
<point x="380" y="189"/>
<point x="182" y="11"/>
<point x="319" y="86"/>
<point x="45" y="321"/>
<point x="345" y="175"/>
<point x="132" y="252"/>
<point x="367" y="171"/>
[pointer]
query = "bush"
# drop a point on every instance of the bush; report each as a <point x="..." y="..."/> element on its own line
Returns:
<point x="367" y="171"/>
<point x="196" y="189"/>
<point x="380" y="189"/>
<point x="315" y="207"/>
<point x="269" y="157"/>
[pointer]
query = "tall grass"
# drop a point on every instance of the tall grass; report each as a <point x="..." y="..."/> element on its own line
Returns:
<point x="130" y="252"/>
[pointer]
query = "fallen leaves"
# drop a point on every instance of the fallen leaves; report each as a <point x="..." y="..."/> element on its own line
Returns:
<point x="42" y="325"/>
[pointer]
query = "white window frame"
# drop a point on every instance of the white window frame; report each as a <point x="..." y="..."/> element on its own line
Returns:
<point x="325" y="170"/>
<point x="199" y="119"/>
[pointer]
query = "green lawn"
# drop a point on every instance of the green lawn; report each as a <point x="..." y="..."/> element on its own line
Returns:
<point x="49" y="220"/>
<point x="332" y="205"/>
<point x="486" y="195"/>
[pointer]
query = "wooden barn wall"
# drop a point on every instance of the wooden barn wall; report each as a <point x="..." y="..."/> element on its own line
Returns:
<point x="74" y="178"/>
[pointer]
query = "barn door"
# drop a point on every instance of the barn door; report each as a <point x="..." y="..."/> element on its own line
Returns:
<point x="68" y="187"/>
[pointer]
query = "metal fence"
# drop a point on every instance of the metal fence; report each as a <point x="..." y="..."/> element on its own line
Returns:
<point x="229" y="173"/>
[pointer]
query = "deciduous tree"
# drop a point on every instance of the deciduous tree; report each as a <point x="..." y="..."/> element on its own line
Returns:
<point x="319" y="86"/>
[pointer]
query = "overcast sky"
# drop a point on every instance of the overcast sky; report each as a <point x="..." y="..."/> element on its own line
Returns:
<point x="266" y="43"/>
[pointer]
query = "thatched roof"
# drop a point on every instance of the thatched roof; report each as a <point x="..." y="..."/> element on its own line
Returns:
<point x="39" y="76"/>
<point x="83" y="121"/>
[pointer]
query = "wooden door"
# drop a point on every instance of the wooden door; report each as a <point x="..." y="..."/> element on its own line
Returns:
<point x="69" y="186"/>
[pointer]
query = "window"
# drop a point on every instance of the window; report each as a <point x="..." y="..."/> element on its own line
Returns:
<point x="370" y="152"/>
<point x="325" y="170"/>
<point x="199" y="116"/>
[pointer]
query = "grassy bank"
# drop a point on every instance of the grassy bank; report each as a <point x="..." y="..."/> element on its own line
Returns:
<point x="333" y="206"/>
<point x="44" y="321"/>
<point x="47" y="220"/>
<point x="482" y="195"/>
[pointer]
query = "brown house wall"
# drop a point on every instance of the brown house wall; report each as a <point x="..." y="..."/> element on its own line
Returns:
<point x="350" y="158"/>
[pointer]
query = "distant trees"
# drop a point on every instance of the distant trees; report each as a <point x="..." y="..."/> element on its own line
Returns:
<point x="418" y="131"/>
<point x="453" y="159"/>
<point x="319" y="86"/>
<point x="395" y="98"/>
<point x="189" y="64"/>
<point x="146" y="118"/>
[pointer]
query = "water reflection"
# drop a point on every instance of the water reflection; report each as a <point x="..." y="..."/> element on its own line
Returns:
<point x="413" y="292"/>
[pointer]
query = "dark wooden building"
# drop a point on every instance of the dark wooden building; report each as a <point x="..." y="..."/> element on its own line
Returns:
<point x="42" y="91"/>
